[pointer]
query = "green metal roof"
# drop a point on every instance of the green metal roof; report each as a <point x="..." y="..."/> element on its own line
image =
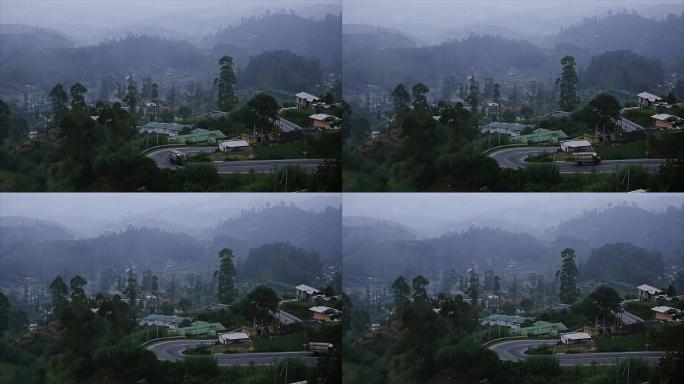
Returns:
<point x="542" y="327"/>
<point x="200" y="327"/>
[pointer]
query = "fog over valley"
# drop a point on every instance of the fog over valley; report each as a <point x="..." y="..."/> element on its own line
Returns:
<point x="169" y="234"/>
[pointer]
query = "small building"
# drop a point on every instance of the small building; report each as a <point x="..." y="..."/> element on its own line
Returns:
<point x="172" y="130"/>
<point x="150" y="110"/>
<point x="647" y="100"/>
<point x="201" y="135"/>
<point x="541" y="135"/>
<point x="201" y="328"/>
<point x="216" y="115"/>
<point x="323" y="313"/>
<point x="667" y="121"/>
<point x="666" y="313"/>
<point x="233" y="338"/>
<point x="33" y="135"/>
<point x="543" y="328"/>
<point x="512" y="322"/>
<point x="557" y="115"/>
<point x="374" y="135"/>
<point x="646" y="292"/>
<point x="323" y="120"/>
<point x="305" y="292"/>
<point x="575" y="146"/>
<point x="306" y="100"/>
<point x="575" y="338"/>
<point x="231" y="145"/>
<point x="319" y="347"/>
<point x="172" y="323"/>
<point x="512" y="129"/>
<point x="33" y="327"/>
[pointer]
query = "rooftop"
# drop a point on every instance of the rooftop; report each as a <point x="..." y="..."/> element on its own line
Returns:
<point x="649" y="289"/>
<point x="649" y="96"/>
<point x="305" y="288"/>
<point x="307" y="96"/>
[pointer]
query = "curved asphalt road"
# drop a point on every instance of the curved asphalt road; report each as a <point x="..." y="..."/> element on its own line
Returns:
<point x="172" y="350"/>
<point x="514" y="350"/>
<point x="160" y="156"/>
<point x="514" y="158"/>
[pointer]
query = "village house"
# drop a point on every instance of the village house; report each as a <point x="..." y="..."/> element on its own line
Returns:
<point x="233" y="338"/>
<point x="575" y="145"/>
<point x="323" y="313"/>
<point x="647" y="293"/>
<point x="575" y="338"/>
<point x="667" y="121"/>
<point x="512" y="322"/>
<point x="543" y="328"/>
<point x="200" y="328"/>
<point x="541" y="135"/>
<point x="305" y="292"/>
<point x="647" y="100"/>
<point x="150" y="110"/>
<point x="172" y="323"/>
<point x="232" y="145"/>
<point x="512" y="129"/>
<point x="33" y="135"/>
<point x="666" y="313"/>
<point x="306" y="100"/>
<point x="172" y="130"/>
<point x="323" y="120"/>
<point x="201" y="135"/>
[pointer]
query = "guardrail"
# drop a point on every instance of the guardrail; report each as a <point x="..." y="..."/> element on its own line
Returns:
<point x="493" y="149"/>
<point x="160" y="339"/>
<point x="150" y="149"/>
<point x="494" y="341"/>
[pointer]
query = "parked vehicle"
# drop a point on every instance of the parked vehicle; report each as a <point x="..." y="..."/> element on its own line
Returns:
<point x="177" y="157"/>
<point x="585" y="158"/>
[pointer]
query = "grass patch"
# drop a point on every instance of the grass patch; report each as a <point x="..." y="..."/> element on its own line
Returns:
<point x="299" y="309"/>
<point x="294" y="342"/>
<point x="633" y="150"/>
<point x="291" y="150"/>
<point x="540" y="350"/>
<point x="7" y="372"/>
<point x="640" y="308"/>
<point x="543" y="157"/>
<point x="201" y="350"/>
<point x="622" y="344"/>
<point x="299" y="116"/>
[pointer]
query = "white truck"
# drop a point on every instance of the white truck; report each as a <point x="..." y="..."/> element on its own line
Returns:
<point x="582" y="158"/>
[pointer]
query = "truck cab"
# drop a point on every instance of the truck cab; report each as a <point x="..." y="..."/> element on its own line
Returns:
<point x="176" y="157"/>
<point x="582" y="158"/>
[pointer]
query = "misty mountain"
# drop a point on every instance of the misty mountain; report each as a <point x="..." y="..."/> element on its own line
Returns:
<point x="15" y="230"/>
<point x="141" y="55"/>
<point x="661" y="231"/>
<point x="488" y="55"/>
<point x="623" y="70"/>
<point x="319" y="231"/>
<point x="663" y="39"/>
<point x="142" y="248"/>
<point x="481" y="248"/>
<point x="281" y="263"/>
<point x="363" y="230"/>
<point x="319" y="38"/>
<point x="15" y="38"/>
<point x="281" y="70"/>
<point x="359" y="37"/>
<point x="623" y="263"/>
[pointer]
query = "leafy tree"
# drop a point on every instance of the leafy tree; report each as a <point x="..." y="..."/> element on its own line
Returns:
<point x="473" y="95"/>
<point x="568" y="277"/>
<point x="606" y="300"/>
<point x="59" y="292"/>
<point x="4" y="120"/>
<point x="401" y="100"/>
<point x="459" y="121"/>
<point x="262" y="303"/>
<point x="77" y="292"/>
<point x="604" y="109"/>
<point x="4" y="313"/>
<point x="474" y="287"/>
<point x="419" y="284"/>
<point x="78" y="92"/>
<point x="225" y="276"/>
<point x="265" y="107"/>
<point x="131" y="288"/>
<point x="419" y="92"/>
<point x="496" y="94"/>
<point x="226" y="83"/>
<point x="132" y="96"/>
<point x="568" y="85"/>
<point x="401" y="291"/>
<point x="59" y="100"/>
